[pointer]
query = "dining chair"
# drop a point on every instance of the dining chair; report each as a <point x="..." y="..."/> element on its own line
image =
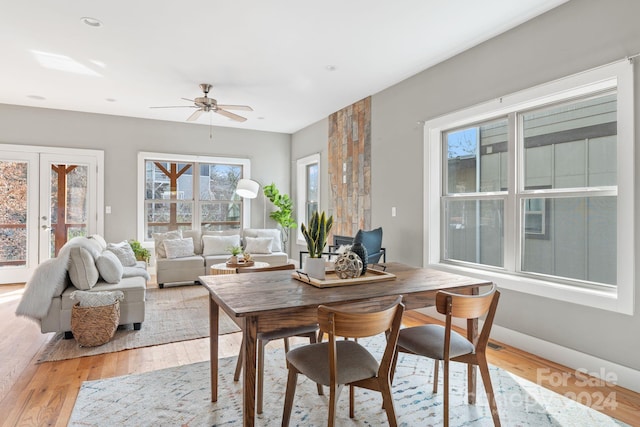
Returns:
<point x="443" y="343"/>
<point x="308" y="331"/>
<point x="337" y="362"/>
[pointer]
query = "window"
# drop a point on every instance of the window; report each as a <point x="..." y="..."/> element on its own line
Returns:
<point x="308" y="191"/>
<point x="190" y="192"/>
<point x="536" y="190"/>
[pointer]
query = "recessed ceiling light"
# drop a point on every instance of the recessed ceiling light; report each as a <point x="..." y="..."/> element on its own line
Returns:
<point x="92" y="22"/>
<point x="37" y="97"/>
<point x="330" y="67"/>
<point x="110" y="99"/>
<point x="260" y="118"/>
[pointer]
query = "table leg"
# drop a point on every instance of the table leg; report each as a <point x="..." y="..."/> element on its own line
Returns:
<point x="249" y="383"/>
<point x="213" y="347"/>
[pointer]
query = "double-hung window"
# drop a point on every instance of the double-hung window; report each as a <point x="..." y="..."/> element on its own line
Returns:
<point x="190" y="192"/>
<point x="536" y="189"/>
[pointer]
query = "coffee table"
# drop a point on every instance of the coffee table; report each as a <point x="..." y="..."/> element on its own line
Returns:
<point x="222" y="268"/>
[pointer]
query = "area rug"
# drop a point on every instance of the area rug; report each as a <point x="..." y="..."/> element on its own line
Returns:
<point x="172" y="314"/>
<point x="180" y="396"/>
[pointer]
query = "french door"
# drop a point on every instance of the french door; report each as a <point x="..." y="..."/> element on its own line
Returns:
<point x="47" y="196"/>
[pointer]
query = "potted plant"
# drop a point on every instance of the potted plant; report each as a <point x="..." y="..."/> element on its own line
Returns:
<point x="141" y="253"/>
<point x="235" y="251"/>
<point x="316" y="237"/>
<point x="284" y="214"/>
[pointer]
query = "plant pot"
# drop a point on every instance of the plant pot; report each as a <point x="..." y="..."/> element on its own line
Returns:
<point x="233" y="259"/>
<point x="315" y="267"/>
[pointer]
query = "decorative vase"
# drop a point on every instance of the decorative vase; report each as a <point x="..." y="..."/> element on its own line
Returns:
<point x="315" y="267"/>
<point x="348" y="265"/>
<point x="233" y="259"/>
<point x="361" y="251"/>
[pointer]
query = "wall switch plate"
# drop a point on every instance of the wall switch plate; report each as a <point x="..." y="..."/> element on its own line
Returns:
<point x="107" y="209"/>
<point x="393" y="211"/>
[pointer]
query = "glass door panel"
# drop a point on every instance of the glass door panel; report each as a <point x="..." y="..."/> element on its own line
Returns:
<point x="18" y="224"/>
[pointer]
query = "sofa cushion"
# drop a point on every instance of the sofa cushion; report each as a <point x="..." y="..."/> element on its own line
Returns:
<point x="219" y="245"/>
<point x="274" y="233"/>
<point x="82" y="268"/>
<point x="195" y="262"/>
<point x="134" y="289"/>
<point x="159" y="238"/>
<point x="124" y="252"/>
<point x="258" y="245"/>
<point x="109" y="267"/>
<point x="178" y="248"/>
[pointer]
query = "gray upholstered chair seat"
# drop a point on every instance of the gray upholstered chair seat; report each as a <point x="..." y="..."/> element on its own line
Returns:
<point x="356" y="363"/>
<point x="428" y="340"/>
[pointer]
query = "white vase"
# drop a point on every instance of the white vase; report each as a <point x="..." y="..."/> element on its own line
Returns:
<point x="315" y="268"/>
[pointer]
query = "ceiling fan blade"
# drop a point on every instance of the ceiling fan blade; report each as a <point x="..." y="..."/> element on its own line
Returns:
<point x="187" y="99"/>
<point x="236" y="107"/>
<point x="177" y="106"/>
<point x="230" y="115"/>
<point x="195" y="115"/>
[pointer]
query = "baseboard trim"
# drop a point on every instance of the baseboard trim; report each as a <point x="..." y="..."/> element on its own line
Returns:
<point x="604" y="369"/>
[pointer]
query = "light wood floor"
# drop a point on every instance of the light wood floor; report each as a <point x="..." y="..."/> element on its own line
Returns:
<point x="44" y="394"/>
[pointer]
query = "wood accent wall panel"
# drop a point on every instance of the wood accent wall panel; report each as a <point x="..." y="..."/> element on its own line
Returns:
<point x="350" y="168"/>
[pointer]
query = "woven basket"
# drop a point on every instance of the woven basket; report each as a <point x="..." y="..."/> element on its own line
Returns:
<point x="93" y="326"/>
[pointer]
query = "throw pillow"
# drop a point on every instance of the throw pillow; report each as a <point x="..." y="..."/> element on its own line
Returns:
<point x="258" y="245"/>
<point x="96" y="299"/>
<point x="124" y="253"/>
<point x="178" y="248"/>
<point x="82" y="268"/>
<point x="98" y="238"/>
<point x="109" y="267"/>
<point x="158" y="238"/>
<point x="275" y="234"/>
<point x="219" y="245"/>
<point x="196" y="235"/>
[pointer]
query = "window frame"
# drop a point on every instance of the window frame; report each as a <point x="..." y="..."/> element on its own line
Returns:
<point x="619" y="298"/>
<point x="301" y="191"/>
<point x="144" y="156"/>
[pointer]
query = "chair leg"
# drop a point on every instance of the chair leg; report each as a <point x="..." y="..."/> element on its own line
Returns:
<point x="352" y="393"/>
<point x="260" y="380"/>
<point x="312" y="340"/>
<point x="436" y="366"/>
<point x="292" y="380"/>
<point x="446" y="394"/>
<point x="240" y="361"/>
<point x="387" y="402"/>
<point x="334" y="393"/>
<point x="486" y="380"/>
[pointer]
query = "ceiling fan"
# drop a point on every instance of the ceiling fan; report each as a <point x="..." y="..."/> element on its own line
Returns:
<point x="204" y="104"/>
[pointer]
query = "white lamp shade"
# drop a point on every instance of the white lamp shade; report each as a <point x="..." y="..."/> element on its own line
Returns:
<point x="247" y="188"/>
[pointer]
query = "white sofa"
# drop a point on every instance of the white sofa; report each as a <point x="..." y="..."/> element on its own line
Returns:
<point x="84" y="263"/>
<point x="211" y="247"/>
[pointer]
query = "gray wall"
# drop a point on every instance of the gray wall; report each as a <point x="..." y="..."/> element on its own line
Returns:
<point x="574" y="37"/>
<point x="122" y="138"/>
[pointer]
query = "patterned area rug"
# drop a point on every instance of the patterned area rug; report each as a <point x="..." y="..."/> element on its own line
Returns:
<point x="180" y="396"/>
<point x="172" y="314"/>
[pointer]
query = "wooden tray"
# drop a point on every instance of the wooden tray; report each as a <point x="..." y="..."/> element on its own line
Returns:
<point x="332" y="280"/>
<point x="240" y="264"/>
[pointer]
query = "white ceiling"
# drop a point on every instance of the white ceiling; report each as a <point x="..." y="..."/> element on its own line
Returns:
<point x="273" y="55"/>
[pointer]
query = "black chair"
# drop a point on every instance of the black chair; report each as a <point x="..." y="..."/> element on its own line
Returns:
<point x="371" y="240"/>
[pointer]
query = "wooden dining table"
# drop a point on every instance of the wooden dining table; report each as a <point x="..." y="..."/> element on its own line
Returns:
<point x="263" y="302"/>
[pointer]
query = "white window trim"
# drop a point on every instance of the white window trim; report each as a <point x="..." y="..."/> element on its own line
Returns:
<point x="144" y="155"/>
<point x="301" y="191"/>
<point x="620" y="299"/>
